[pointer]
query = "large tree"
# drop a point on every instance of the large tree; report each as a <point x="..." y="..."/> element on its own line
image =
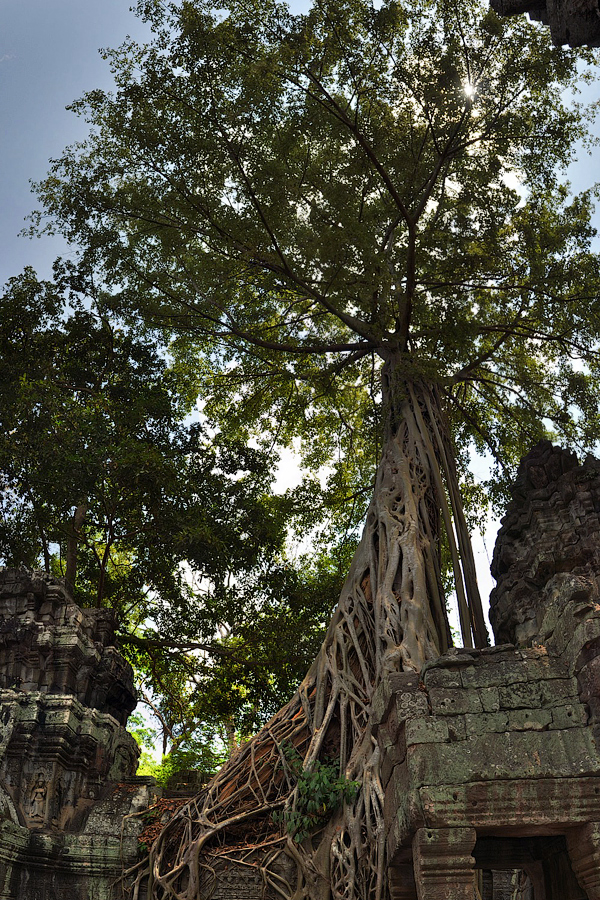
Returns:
<point x="357" y="217"/>
<point x="106" y="479"/>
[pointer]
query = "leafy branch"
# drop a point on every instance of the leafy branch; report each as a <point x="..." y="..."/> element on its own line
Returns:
<point x="319" y="792"/>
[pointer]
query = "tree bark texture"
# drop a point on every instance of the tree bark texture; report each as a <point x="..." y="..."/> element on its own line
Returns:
<point x="391" y="616"/>
<point x="73" y="545"/>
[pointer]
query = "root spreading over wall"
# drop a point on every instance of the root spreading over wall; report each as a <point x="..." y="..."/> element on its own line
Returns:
<point x="391" y="616"/>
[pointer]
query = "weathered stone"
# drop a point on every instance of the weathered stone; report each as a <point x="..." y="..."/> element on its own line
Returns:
<point x="402" y="809"/>
<point x="393" y="752"/>
<point x="584" y="850"/>
<point x="520" y="695"/>
<point x="444" y="678"/>
<point x="514" y="749"/>
<point x="529" y="719"/>
<point x="411" y="704"/>
<point x="454" y="702"/>
<point x="550" y="529"/>
<point x="570" y="22"/>
<point x="443" y="863"/>
<point x="559" y="690"/>
<point x="518" y="755"/>
<point x="67" y="789"/>
<point x="490" y="699"/>
<point x="426" y="730"/>
<point x="457" y="728"/>
<point x="572" y="715"/>
<point x="512" y="804"/>
<point x="394" y="683"/>
<point x="501" y="673"/>
<point x="482" y="723"/>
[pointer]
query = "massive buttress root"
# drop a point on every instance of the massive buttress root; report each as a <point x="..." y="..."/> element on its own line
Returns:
<point x="391" y="616"/>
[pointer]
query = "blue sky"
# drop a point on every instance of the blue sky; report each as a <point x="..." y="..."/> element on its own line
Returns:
<point x="48" y="57"/>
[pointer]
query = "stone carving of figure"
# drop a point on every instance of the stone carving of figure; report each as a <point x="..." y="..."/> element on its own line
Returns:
<point x="38" y="798"/>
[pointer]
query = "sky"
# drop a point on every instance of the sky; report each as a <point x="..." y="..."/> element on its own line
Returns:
<point x="48" y="58"/>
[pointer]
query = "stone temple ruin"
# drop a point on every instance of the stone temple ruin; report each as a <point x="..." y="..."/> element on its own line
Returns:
<point x="67" y="764"/>
<point x="491" y="759"/>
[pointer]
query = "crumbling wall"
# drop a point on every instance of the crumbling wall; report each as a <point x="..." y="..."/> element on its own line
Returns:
<point x="69" y="798"/>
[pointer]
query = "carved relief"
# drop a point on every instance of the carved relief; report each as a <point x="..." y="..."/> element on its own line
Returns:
<point x="66" y="694"/>
<point x="37" y="802"/>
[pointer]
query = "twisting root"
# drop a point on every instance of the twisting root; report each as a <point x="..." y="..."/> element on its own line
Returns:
<point x="391" y="615"/>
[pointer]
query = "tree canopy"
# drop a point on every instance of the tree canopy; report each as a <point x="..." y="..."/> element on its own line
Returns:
<point x="307" y="196"/>
<point x="107" y="479"/>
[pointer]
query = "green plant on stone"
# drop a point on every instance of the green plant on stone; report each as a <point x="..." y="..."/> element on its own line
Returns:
<point x="320" y="791"/>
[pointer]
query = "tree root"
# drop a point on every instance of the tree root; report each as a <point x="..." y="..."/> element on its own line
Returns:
<point x="391" y="616"/>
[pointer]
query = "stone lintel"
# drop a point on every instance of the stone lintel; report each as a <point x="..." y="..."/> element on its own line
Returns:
<point x="537" y="806"/>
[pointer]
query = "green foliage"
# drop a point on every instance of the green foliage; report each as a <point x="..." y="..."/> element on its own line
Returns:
<point x="181" y="535"/>
<point x="319" y="792"/>
<point x="301" y="197"/>
<point x="297" y="202"/>
<point x="144" y="734"/>
<point x="192" y="762"/>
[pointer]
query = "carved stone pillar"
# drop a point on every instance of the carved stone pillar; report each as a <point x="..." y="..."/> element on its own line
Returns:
<point x="583" y="845"/>
<point x="443" y="863"/>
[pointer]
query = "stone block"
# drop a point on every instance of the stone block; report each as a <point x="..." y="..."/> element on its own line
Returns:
<point x="454" y="701"/>
<point x="518" y="755"/>
<point x="573" y="635"/>
<point x="402" y="809"/>
<point x="569" y="716"/>
<point x="388" y="764"/>
<point x="546" y="803"/>
<point x="584" y="850"/>
<point x="558" y="690"/>
<point x="393" y="752"/>
<point x="411" y="704"/>
<point x="457" y="729"/>
<point x="529" y="719"/>
<point x="401" y="880"/>
<point x="440" y="677"/>
<point x="490" y="699"/>
<point x="403" y="706"/>
<point x="237" y="883"/>
<point x="494" y="674"/>
<point x="426" y="730"/>
<point x="482" y="723"/>
<point x="521" y="695"/>
<point x="384" y="696"/>
<point x="443" y="863"/>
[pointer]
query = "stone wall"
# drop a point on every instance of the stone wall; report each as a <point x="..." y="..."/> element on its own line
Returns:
<point x="548" y="537"/>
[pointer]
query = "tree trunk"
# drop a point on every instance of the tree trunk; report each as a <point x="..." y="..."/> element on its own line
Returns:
<point x="391" y="616"/>
<point x="72" y="545"/>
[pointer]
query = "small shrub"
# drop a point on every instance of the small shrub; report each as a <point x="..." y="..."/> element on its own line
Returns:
<point x="320" y="792"/>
